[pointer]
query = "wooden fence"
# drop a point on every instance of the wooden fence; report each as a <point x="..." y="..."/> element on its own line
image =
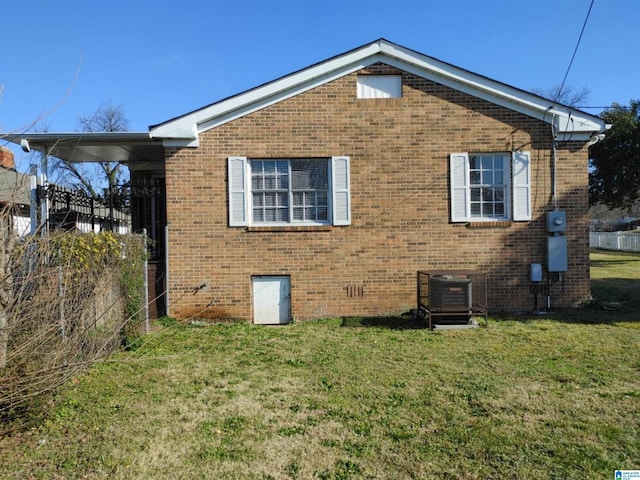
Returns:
<point x="622" y="241"/>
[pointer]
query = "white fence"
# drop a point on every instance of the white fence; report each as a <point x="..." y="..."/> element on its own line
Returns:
<point x="623" y="241"/>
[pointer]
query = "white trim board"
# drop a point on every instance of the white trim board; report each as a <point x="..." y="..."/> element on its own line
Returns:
<point x="571" y="124"/>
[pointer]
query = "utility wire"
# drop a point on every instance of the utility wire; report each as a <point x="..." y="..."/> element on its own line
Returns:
<point x="574" y="51"/>
<point x="622" y="107"/>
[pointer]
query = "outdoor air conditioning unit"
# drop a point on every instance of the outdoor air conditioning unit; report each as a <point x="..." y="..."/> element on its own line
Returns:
<point x="450" y="294"/>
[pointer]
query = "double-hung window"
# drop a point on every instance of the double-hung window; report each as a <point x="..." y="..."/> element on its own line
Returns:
<point x="289" y="191"/>
<point x="490" y="186"/>
<point x="312" y="191"/>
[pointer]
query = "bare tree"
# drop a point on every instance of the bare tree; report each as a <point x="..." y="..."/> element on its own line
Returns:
<point x="107" y="118"/>
<point x="568" y="95"/>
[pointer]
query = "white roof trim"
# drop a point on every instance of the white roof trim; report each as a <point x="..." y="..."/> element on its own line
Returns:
<point x="571" y="124"/>
<point x="126" y="147"/>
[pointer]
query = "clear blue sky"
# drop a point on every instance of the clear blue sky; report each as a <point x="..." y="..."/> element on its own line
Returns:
<point x="162" y="58"/>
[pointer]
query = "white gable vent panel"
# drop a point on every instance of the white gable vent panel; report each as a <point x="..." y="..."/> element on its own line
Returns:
<point x="379" y="86"/>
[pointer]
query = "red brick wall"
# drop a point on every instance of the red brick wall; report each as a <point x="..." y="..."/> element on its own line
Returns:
<point x="6" y="159"/>
<point x="400" y="205"/>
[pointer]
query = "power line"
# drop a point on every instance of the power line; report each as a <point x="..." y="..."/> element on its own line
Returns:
<point x="622" y="107"/>
<point x="574" y="51"/>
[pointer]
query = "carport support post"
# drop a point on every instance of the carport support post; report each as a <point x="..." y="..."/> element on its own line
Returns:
<point x="63" y="321"/>
<point x="33" y="198"/>
<point x="44" y="202"/>
<point x="145" y="266"/>
<point x="4" y="337"/>
<point x="167" y="301"/>
<point x="44" y="161"/>
<point x="110" y="206"/>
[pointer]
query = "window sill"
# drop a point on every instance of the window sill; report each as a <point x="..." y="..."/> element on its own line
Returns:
<point x="490" y="224"/>
<point x="290" y="228"/>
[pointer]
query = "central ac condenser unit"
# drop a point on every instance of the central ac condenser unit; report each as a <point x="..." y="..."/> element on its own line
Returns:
<point x="449" y="294"/>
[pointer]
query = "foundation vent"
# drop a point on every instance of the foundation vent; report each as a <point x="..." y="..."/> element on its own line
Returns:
<point x="354" y="291"/>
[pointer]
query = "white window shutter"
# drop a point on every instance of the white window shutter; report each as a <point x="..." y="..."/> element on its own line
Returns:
<point x="521" y="186"/>
<point x="340" y="188"/>
<point x="238" y="215"/>
<point x="459" y="167"/>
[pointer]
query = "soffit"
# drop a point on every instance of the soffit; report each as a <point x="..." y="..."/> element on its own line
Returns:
<point x="133" y="148"/>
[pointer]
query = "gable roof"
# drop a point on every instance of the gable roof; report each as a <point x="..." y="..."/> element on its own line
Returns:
<point x="570" y="123"/>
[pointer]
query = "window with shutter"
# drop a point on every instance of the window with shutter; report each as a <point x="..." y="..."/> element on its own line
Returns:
<point x="481" y="186"/>
<point x="289" y="191"/>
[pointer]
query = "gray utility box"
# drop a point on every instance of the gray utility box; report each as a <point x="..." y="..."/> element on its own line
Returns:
<point x="557" y="254"/>
<point x="556" y="221"/>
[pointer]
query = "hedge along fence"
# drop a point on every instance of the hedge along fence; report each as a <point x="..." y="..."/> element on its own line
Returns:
<point x="66" y="300"/>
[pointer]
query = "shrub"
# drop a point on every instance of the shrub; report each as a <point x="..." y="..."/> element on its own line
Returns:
<point x="67" y="300"/>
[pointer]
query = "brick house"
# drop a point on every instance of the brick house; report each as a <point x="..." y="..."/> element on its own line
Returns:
<point x="323" y="192"/>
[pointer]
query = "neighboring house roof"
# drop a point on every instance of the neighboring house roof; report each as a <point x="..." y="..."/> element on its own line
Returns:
<point x="14" y="187"/>
<point x="571" y="124"/>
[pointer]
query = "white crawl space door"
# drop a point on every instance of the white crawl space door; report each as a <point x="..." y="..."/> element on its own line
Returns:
<point x="271" y="300"/>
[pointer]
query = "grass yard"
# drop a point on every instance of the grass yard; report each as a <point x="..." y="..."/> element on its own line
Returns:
<point x="615" y="282"/>
<point x="523" y="398"/>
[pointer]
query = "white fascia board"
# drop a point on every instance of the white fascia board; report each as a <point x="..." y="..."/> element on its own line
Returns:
<point x="199" y="121"/>
<point x="85" y="137"/>
<point x="181" y="128"/>
<point x="569" y="121"/>
<point x="478" y="91"/>
<point x="181" y="142"/>
<point x="245" y="107"/>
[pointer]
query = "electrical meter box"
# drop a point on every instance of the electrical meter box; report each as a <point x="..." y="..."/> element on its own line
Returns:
<point x="556" y="221"/>
<point x="557" y="254"/>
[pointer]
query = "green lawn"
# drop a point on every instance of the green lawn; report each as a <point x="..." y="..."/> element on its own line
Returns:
<point x="524" y="398"/>
<point x="615" y="282"/>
